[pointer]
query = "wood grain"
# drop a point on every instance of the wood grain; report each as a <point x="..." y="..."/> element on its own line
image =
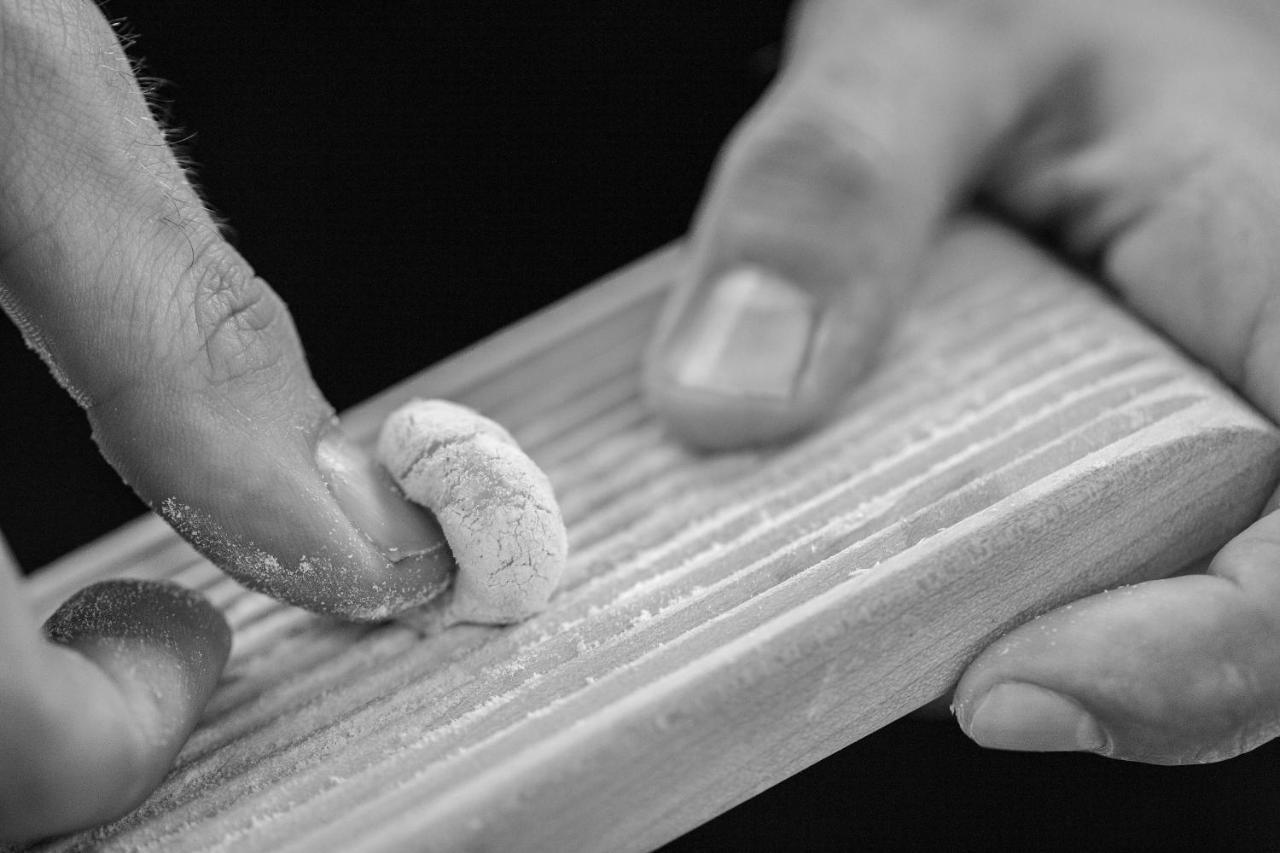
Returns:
<point x="727" y="620"/>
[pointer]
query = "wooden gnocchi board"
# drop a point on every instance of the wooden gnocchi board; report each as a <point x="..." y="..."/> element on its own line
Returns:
<point x="725" y="621"/>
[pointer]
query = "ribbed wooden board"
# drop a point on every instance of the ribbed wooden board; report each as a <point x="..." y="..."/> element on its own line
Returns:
<point x="725" y="621"/>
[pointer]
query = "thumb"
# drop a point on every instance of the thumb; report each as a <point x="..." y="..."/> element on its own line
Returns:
<point x="90" y="721"/>
<point x="187" y="363"/>
<point x="806" y="243"/>
<point x="1173" y="671"/>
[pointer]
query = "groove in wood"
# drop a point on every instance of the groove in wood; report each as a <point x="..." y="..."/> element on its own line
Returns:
<point x="725" y="620"/>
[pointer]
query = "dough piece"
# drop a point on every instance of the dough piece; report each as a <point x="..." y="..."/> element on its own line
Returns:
<point x="495" y="506"/>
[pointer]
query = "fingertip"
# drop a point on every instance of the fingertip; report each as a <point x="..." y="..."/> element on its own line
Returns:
<point x="1027" y="717"/>
<point x="411" y="551"/>
<point x="163" y="645"/>
<point x="1175" y="671"/>
<point x="302" y="515"/>
<point x="751" y="357"/>
<point x="796" y="263"/>
<point x="128" y="670"/>
<point x="371" y="500"/>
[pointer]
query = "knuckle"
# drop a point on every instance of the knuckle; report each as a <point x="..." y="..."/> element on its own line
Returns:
<point x="808" y="151"/>
<point x="1196" y="253"/>
<point x="234" y="325"/>
<point x="50" y="48"/>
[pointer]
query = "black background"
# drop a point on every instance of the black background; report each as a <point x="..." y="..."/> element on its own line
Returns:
<point x="413" y="176"/>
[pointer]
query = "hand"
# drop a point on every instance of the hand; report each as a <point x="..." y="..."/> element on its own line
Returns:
<point x="1142" y="135"/>
<point x="196" y="387"/>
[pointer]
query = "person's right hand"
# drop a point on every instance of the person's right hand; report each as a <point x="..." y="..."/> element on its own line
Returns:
<point x="186" y="362"/>
<point x="195" y="384"/>
<point x="93" y="713"/>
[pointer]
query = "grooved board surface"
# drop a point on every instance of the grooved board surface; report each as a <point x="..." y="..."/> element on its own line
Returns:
<point x="725" y="621"/>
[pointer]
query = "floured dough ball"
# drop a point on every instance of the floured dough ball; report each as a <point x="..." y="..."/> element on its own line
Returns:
<point x="495" y="506"/>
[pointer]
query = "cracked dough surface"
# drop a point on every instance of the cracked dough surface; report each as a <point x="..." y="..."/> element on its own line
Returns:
<point x="495" y="506"/>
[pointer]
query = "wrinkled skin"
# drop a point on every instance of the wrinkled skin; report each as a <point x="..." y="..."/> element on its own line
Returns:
<point x="195" y="384"/>
<point x="1143" y="136"/>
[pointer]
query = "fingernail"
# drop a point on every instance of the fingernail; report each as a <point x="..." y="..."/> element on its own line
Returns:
<point x="1029" y="718"/>
<point x="165" y="645"/>
<point x="371" y="500"/>
<point x="750" y="336"/>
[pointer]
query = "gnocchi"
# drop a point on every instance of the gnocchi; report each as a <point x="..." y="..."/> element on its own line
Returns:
<point x="495" y="506"/>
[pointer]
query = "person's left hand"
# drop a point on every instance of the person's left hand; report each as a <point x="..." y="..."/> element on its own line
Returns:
<point x="1143" y="135"/>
